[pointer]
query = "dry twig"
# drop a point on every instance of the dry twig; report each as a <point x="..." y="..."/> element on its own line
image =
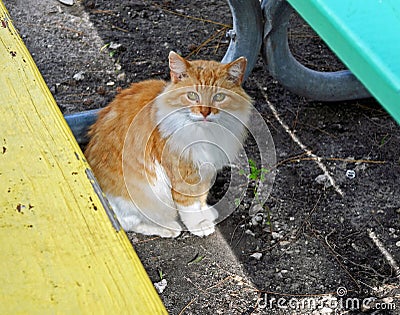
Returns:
<point x="208" y="40"/>
<point x="389" y="258"/>
<point x="336" y="256"/>
<point x="298" y="158"/>
<point x="192" y="17"/>
<point x="187" y="305"/>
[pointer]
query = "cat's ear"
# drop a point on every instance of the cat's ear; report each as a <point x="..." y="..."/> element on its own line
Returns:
<point x="178" y="67"/>
<point x="236" y="70"/>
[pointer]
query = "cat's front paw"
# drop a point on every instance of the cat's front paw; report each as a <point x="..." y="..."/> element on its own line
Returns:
<point x="209" y="213"/>
<point x="172" y="230"/>
<point x="199" y="220"/>
<point x="203" y="228"/>
<point x="167" y="233"/>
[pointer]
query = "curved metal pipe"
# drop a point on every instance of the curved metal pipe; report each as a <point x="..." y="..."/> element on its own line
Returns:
<point x="321" y="86"/>
<point x="80" y="123"/>
<point x="246" y="36"/>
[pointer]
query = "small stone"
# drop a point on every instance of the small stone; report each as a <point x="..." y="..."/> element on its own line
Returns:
<point x="326" y="310"/>
<point x="388" y="300"/>
<point x="114" y="46"/>
<point x="67" y="2"/>
<point x="110" y="83"/>
<point x="249" y="232"/>
<point x="276" y="235"/>
<point x="257" y="219"/>
<point x="321" y="179"/>
<point x="121" y="76"/>
<point x="256" y="256"/>
<point x="398" y="243"/>
<point x="161" y="285"/>
<point x="284" y="243"/>
<point x="80" y="76"/>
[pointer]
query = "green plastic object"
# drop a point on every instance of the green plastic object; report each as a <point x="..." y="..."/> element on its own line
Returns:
<point x="366" y="37"/>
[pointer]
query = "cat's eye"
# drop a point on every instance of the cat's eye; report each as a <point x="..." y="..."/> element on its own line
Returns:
<point x="219" y="97"/>
<point x="193" y="96"/>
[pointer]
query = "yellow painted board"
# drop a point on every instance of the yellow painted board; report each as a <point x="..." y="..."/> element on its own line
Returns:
<point x="59" y="251"/>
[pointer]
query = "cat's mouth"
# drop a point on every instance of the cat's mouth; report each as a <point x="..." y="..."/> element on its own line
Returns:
<point x="202" y="119"/>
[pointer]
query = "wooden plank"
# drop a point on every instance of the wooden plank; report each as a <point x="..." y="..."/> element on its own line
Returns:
<point x="366" y="37"/>
<point x="60" y="253"/>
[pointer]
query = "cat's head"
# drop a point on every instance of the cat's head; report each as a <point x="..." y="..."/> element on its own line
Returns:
<point x="184" y="72"/>
<point x="203" y="91"/>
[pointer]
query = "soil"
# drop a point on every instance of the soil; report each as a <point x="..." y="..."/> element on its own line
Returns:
<point x="311" y="240"/>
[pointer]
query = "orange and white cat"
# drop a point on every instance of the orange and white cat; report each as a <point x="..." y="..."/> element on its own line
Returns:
<point x="156" y="147"/>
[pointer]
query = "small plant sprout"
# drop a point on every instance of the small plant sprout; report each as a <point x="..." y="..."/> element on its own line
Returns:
<point x="112" y="47"/>
<point x="196" y="259"/>
<point x="257" y="176"/>
<point x="384" y="140"/>
<point x="160" y="274"/>
<point x="104" y="47"/>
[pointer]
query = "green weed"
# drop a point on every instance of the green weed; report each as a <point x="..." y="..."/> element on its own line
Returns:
<point x="257" y="176"/>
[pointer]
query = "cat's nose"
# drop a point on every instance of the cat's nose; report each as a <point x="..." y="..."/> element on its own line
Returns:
<point x="205" y="111"/>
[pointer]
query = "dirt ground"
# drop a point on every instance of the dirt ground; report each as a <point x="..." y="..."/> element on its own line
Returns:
<point x="328" y="242"/>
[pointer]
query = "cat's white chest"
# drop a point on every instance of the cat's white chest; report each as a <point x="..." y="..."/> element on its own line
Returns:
<point x="213" y="143"/>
